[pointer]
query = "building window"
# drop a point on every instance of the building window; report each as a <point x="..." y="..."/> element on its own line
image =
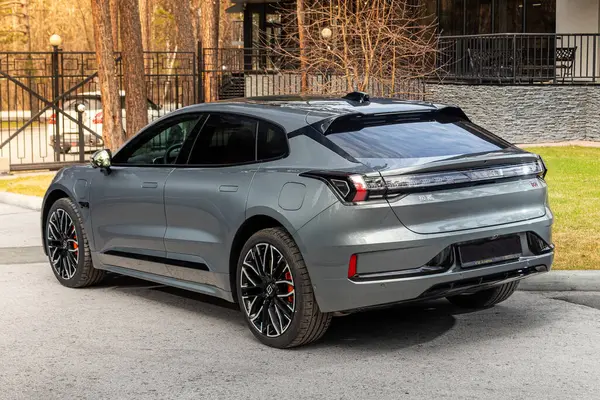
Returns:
<point x="452" y="17"/>
<point x="540" y="16"/>
<point x="476" y="17"/>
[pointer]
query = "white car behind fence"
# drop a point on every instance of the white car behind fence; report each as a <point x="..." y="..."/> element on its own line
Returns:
<point x="92" y="119"/>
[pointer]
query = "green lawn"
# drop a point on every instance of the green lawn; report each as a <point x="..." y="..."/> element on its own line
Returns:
<point x="573" y="178"/>
<point x="32" y="185"/>
<point x="574" y="182"/>
<point x="16" y="125"/>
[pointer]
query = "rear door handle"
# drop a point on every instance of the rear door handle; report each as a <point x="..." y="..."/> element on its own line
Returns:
<point x="149" y="185"/>
<point x="228" y="188"/>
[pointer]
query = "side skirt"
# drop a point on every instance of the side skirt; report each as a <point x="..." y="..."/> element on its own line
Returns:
<point x="168" y="281"/>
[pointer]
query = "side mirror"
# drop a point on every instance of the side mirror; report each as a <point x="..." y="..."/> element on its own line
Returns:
<point x="102" y="159"/>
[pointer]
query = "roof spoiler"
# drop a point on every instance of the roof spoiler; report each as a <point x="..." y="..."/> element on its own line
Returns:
<point x="355" y="120"/>
<point x="359" y="97"/>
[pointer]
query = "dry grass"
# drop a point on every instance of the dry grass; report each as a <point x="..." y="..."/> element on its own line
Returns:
<point x="32" y="185"/>
<point x="573" y="179"/>
<point x="574" y="182"/>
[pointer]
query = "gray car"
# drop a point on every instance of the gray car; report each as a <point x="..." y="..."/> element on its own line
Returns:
<point x="300" y="208"/>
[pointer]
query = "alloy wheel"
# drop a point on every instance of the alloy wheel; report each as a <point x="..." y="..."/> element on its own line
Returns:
<point x="268" y="291"/>
<point x="63" y="246"/>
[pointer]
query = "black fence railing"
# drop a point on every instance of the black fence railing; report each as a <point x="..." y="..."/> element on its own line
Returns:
<point x="242" y="72"/>
<point x="520" y="59"/>
<point x="40" y="91"/>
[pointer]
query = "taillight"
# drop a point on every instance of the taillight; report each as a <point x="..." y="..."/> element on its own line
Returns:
<point x="51" y="120"/>
<point x="352" y="266"/>
<point x="97" y="118"/>
<point x="544" y="169"/>
<point x="403" y="183"/>
<point x="354" y="188"/>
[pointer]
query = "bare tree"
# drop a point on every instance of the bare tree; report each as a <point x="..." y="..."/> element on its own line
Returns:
<point x="146" y="21"/>
<point x="112" y="130"/>
<point x="209" y="36"/>
<point x="114" y="22"/>
<point x="181" y="10"/>
<point x="384" y="47"/>
<point x="303" y="36"/>
<point x="136" y="101"/>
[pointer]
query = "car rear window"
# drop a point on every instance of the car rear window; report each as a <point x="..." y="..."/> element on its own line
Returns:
<point x="416" y="139"/>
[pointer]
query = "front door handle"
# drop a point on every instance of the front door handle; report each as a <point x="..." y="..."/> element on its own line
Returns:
<point x="149" y="185"/>
<point x="228" y="188"/>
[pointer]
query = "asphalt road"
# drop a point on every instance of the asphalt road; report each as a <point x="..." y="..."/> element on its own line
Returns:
<point x="129" y="339"/>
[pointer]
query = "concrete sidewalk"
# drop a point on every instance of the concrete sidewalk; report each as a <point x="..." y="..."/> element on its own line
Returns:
<point x="20" y="235"/>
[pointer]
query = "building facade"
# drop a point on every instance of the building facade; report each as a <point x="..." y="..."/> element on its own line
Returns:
<point x="534" y="65"/>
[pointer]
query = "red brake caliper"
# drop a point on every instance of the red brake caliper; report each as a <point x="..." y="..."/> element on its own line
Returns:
<point x="288" y="277"/>
<point x="75" y="245"/>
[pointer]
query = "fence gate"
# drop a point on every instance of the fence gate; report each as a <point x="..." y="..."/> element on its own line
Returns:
<point x="41" y="126"/>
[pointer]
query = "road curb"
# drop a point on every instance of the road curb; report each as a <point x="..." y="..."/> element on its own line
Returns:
<point x="563" y="281"/>
<point x="554" y="281"/>
<point x="21" y="200"/>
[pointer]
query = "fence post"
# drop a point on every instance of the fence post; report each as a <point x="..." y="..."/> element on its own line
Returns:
<point x="80" y="111"/>
<point x="594" y="58"/>
<point x="55" y="108"/>
<point x="514" y="60"/>
<point x="200" y="73"/>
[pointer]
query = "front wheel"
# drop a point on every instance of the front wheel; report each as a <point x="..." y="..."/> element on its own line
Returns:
<point x="67" y="246"/>
<point x="275" y="292"/>
<point x="485" y="298"/>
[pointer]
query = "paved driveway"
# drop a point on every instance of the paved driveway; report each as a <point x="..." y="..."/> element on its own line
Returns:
<point x="129" y="339"/>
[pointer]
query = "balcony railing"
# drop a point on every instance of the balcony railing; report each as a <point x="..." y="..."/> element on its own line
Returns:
<point x="520" y="59"/>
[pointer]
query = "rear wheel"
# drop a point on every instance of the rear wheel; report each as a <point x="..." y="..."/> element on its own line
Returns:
<point x="67" y="246"/>
<point x="485" y="298"/>
<point x="275" y="292"/>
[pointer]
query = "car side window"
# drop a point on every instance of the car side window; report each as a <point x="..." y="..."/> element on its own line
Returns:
<point x="272" y="142"/>
<point x="160" y="146"/>
<point x="225" y="139"/>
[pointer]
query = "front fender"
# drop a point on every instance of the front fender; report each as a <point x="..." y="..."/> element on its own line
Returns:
<point x="70" y="183"/>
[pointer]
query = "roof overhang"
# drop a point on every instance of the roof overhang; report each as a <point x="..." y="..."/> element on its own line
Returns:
<point x="240" y="5"/>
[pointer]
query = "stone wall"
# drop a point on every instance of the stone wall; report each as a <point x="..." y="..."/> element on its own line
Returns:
<point x="527" y="114"/>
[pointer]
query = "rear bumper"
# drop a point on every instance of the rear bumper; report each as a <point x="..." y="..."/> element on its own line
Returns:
<point x="384" y="245"/>
<point x="346" y="295"/>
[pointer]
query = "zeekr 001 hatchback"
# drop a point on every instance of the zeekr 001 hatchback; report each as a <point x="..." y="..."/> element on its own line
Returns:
<point x="297" y="208"/>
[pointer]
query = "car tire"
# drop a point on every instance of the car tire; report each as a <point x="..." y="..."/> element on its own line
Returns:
<point x="67" y="246"/>
<point x="485" y="298"/>
<point x="290" y="320"/>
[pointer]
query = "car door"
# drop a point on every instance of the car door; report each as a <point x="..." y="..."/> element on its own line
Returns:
<point x="127" y="204"/>
<point x="205" y="201"/>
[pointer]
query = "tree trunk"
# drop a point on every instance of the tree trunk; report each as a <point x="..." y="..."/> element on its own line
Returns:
<point x="112" y="129"/>
<point x="303" y="45"/>
<point x="114" y="23"/>
<point x="145" y="20"/>
<point x="183" y="25"/>
<point x="209" y="35"/>
<point x="136" y="101"/>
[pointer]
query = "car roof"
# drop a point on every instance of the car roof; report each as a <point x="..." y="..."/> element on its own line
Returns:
<point x="90" y="95"/>
<point x="296" y="111"/>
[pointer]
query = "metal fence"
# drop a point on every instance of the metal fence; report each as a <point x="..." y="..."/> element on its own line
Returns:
<point x="39" y="91"/>
<point x="520" y="59"/>
<point x="241" y="72"/>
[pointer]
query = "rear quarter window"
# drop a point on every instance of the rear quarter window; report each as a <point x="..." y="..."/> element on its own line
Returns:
<point x="417" y="139"/>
